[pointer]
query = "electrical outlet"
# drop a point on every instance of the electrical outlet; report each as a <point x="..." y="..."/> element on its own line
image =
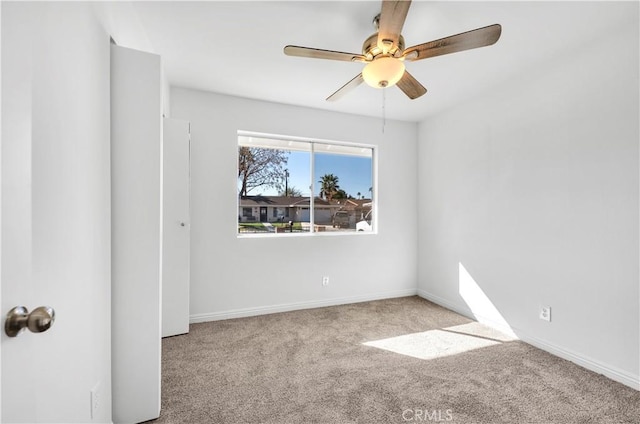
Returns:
<point x="325" y="281"/>
<point x="545" y="313"/>
<point x="95" y="401"/>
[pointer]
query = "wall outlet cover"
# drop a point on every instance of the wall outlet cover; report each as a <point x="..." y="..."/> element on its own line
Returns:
<point x="545" y="313"/>
<point x="95" y="401"/>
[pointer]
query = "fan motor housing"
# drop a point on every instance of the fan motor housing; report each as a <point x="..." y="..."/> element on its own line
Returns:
<point x="370" y="47"/>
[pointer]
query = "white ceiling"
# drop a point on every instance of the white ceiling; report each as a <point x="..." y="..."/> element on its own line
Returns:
<point x="236" y="48"/>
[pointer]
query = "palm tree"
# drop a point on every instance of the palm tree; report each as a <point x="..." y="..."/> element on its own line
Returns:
<point x="328" y="186"/>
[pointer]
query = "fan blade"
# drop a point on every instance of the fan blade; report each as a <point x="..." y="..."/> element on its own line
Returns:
<point x="322" y="54"/>
<point x="410" y="86"/>
<point x="456" y="43"/>
<point x="346" y="88"/>
<point x="392" y="17"/>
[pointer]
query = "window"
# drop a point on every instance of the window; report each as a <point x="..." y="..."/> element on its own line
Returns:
<point x="291" y="185"/>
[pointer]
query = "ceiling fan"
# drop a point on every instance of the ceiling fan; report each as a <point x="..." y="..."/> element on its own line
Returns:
<point x="384" y="52"/>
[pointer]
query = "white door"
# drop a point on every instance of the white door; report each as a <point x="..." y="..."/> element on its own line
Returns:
<point x="55" y="212"/>
<point x="175" y="228"/>
<point x="136" y="234"/>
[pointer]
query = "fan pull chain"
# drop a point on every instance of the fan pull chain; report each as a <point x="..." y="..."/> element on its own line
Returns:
<point x="384" y="111"/>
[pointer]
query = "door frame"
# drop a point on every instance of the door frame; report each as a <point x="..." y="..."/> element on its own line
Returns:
<point x="264" y="213"/>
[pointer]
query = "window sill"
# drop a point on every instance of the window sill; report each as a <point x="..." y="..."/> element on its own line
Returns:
<point x="306" y="234"/>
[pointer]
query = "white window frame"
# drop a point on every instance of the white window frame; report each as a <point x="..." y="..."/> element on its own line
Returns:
<point x="313" y="142"/>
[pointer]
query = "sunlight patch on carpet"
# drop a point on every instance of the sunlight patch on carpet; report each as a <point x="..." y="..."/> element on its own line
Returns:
<point x="443" y="342"/>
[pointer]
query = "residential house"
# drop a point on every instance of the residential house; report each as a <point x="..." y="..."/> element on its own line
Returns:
<point x="295" y="208"/>
<point x="284" y="209"/>
<point x="358" y="208"/>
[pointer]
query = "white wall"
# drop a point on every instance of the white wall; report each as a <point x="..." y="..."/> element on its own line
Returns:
<point x="533" y="189"/>
<point x="55" y="142"/>
<point x="136" y="167"/>
<point x="234" y="277"/>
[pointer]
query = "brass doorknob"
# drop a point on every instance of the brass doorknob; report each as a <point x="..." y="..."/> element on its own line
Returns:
<point x="19" y="318"/>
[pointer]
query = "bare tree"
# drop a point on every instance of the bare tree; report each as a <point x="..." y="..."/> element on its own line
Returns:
<point x="258" y="167"/>
<point x="290" y="192"/>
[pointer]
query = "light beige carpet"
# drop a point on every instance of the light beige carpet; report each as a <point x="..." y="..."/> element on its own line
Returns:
<point x="400" y="360"/>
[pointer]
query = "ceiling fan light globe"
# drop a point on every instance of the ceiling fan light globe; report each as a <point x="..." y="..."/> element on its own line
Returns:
<point x="383" y="72"/>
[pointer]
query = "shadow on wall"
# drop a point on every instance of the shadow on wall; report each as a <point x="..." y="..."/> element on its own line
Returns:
<point x="479" y="303"/>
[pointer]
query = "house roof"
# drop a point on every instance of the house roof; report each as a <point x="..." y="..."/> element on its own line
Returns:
<point x="281" y="201"/>
<point x="353" y="203"/>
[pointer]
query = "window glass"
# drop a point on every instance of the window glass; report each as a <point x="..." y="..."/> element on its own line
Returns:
<point x="344" y="186"/>
<point x="276" y="182"/>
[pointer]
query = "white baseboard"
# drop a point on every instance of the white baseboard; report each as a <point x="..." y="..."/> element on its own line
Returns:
<point x="608" y="371"/>
<point x="611" y="372"/>
<point x="272" y="309"/>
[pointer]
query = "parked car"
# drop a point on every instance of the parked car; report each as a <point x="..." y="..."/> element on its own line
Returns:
<point x="340" y="219"/>
<point x="366" y="224"/>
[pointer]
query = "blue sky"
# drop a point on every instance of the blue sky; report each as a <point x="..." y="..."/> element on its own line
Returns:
<point x="354" y="173"/>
